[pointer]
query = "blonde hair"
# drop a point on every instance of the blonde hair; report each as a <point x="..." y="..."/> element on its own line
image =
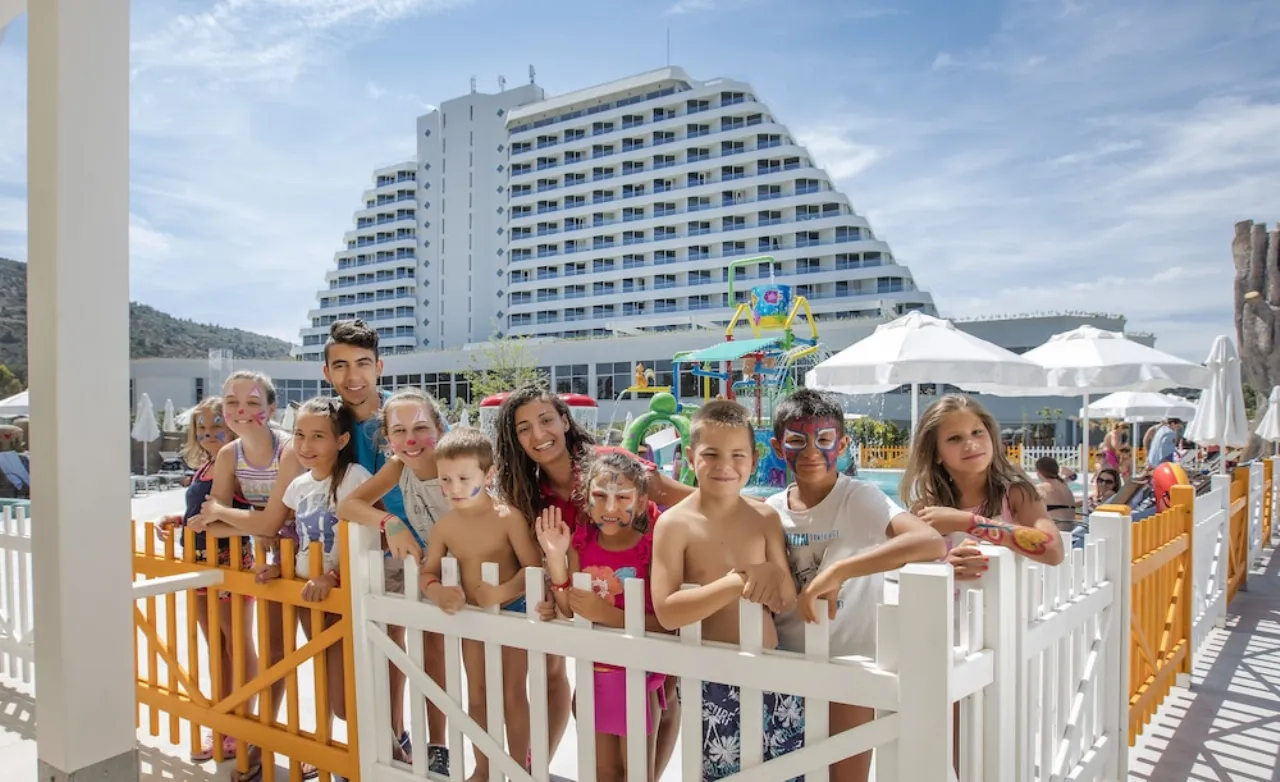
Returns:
<point x="926" y="482"/>
<point x="465" y="442"/>
<point x="193" y="453"/>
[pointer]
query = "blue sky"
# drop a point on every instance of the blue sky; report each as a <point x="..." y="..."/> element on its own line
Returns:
<point x="1020" y="156"/>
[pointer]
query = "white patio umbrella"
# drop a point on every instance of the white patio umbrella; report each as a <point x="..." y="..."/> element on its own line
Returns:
<point x="1220" y="419"/>
<point x="183" y="419"/>
<point x="15" y="405"/>
<point x="1088" y="360"/>
<point x="289" y="418"/>
<point x="145" y="429"/>
<point x="170" y="424"/>
<point x="918" y="348"/>
<point x="1269" y="427"/>
<point x="1136" y="407"/>
<point x="465" y="418"/>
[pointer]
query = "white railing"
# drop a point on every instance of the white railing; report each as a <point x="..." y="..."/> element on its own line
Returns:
<point x="1037" y="662"/>
<point x="17" y="627"/>
<point x="1275" y="499"/>
<point x="1068" y="457"/>
<point x="1257" y="497"/>
<point x="1072" y="673"/>
<point x="1209" y="549"/>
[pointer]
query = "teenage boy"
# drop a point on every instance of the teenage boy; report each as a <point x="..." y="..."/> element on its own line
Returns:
<point x="842" y="534"/>
<point x="352" y="366"/>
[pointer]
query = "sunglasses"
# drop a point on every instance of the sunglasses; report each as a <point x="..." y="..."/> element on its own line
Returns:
<point x="1105" y="482"/>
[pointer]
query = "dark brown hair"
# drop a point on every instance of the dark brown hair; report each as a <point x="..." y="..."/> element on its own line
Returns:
<point x="343" y="422"/>
<point x="355" y="333"/>
<point x="465" y="442"/>
<point x="623" y="465"/>
<point x="414" y="395"/>
<point x="518" y="474"/>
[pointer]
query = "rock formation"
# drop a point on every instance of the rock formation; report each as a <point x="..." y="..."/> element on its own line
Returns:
<point x="1256" y="254"/>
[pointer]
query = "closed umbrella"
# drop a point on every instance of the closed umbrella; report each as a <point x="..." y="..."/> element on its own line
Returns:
<point x="918" y="348"/>
<point x="464" y="419"/>
<point x="289" y="418"/>
<point x="145" y="430"/>
<point x="170" y="423"/>
<point x="1269" y="427"/>
<point x="1220" y="418"/>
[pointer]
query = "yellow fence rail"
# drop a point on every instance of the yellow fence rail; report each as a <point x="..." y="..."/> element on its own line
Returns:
<point x="1268" y="483"/>
<point x="169" y="676"/>
<point x="1238" y="527"/>
<point x="1160" y="618"/>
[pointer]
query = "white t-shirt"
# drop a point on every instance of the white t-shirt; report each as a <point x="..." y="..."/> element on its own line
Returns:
<point x="317" y="519"/>
<point x="854" y="517"/>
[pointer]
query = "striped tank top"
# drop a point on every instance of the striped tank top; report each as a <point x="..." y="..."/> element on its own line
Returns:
<point x="256" y="481"/>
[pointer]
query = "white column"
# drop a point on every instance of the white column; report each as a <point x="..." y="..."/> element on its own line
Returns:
<point x="78" y="300"/>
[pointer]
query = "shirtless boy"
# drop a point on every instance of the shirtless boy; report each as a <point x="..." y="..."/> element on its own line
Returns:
<point x="474" y="531"/>
<point x="732" y="549"/>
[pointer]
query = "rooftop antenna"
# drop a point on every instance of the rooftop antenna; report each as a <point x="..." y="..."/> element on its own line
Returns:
<point x="473" y="84"/>
<point x="502" y="83"/>
<point x="532" y="75"/>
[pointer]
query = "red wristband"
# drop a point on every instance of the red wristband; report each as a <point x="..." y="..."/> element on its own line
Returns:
<point x="563" y="586"/>
<point x="382" y="525"/>
<point x="428" y="580"/>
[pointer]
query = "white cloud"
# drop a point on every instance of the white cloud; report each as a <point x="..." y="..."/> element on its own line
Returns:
<point x="834" y="150"/>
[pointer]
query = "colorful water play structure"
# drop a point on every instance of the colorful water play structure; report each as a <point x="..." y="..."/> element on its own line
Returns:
<point x="757" y="372"/>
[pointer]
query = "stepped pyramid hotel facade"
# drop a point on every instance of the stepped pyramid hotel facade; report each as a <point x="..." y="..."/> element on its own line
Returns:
<point x="601" y="223"/>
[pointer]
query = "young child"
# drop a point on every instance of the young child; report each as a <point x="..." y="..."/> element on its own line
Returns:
<point x="959" y="480"/>
<point x="842" y="534"/>
<point x="411" y="424"/>
<point x="206" y="434"/>
<point x="733" y="549"/>
<point x="322" y="441"/>
<point x="478" y="530"/>
<point x="615" y="546"/>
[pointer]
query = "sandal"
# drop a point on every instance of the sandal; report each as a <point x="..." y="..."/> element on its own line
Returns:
<point x="206" y="750"/>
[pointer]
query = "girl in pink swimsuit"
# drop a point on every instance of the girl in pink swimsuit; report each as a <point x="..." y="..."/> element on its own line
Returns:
<point x="617" y="545"/>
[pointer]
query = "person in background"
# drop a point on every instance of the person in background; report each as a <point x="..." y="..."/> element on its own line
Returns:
<point x="1164" y="443"/>
<point x="1058" y="498"/>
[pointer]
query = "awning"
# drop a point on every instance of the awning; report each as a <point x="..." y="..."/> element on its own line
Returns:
<point x="729" y="351"/>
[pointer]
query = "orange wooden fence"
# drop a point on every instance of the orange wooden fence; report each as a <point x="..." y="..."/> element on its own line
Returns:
<point x="169" y="683"/>
<point x="1160" y="618"/>
<point x="1238" y="526"/>
<point x="1268" y="482"/>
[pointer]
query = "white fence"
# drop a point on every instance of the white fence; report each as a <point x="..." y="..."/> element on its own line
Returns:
<point x="1068" y="457"/>
<point x="17" y="629"/>
<point x="1035" y="668"/>
<point x="1257" y="498"/>
<point x="1209" y="551"/>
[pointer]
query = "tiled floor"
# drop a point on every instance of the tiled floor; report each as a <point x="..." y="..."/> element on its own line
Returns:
<point x="1227" y="726"/>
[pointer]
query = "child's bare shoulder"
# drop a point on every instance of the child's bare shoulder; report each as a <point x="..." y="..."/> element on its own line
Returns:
<point x="509" y="516"/>
<point x="760" y="515"/>
<point x="680" y="515"/>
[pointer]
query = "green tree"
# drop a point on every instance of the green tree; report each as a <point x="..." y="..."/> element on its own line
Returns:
<point x="9" y="383"/>
<point x="869" y="431"/>
<point x="502" y="365"/>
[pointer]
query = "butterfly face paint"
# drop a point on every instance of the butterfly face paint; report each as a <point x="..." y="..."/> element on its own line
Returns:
<point x="612" y="501"/>
<point x="822" y="435"/>
<point x="245" y="406"/>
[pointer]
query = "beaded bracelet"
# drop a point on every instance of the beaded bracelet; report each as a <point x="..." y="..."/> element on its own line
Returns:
<point x="563" y="586"/>
<point x="382" y="525"/>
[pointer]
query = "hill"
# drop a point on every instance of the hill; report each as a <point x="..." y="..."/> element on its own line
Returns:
<point x="152" y="333"/>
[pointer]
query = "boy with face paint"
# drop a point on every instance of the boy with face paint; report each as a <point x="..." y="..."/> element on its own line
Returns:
<point x="842" y="535"/>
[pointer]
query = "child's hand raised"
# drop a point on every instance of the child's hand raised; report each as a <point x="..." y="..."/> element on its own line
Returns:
<point x="553" y="533"/>
<point x="946" y="520"/>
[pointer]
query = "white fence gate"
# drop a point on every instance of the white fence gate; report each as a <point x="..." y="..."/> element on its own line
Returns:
<point x="1209" y="549"/>
<point x="17" y="629"/>
<point x="1257" y="498"/>
<point x="1068" y="458"/>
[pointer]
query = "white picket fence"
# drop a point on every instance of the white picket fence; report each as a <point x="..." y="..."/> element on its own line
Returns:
<point x="1039" y="657"/>
<point x="17" y="629"/>
<point x="1257" y="498"/>
<point x="1068" y="457"/>
<point x="1209" y="551"/>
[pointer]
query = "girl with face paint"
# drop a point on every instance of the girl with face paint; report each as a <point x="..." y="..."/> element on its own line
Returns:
<point x="411" y="423"/>
<point x="616" y="545"/>
<point x="206" y="434"/>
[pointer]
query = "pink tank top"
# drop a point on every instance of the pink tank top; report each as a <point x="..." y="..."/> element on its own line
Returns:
<point x="609" y="569"/>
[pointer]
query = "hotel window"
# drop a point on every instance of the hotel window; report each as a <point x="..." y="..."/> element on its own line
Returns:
<point x="613" y="378"/>
<point x="572" y="379"/>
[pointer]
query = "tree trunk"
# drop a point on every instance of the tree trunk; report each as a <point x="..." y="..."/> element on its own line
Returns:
<point x="1256" y="255"/>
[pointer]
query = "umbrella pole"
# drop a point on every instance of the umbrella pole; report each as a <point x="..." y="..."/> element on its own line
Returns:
<point x="1084" y="443"/>
<point x="915" y="408"/>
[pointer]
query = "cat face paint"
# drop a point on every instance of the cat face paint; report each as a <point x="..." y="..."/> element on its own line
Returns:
<point x="812" y="444"/>
<point x="245" y="406"/>
<point x="612" y="501"/>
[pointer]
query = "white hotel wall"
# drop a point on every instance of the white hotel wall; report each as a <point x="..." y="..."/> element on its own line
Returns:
<point x="176" y="378"/>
